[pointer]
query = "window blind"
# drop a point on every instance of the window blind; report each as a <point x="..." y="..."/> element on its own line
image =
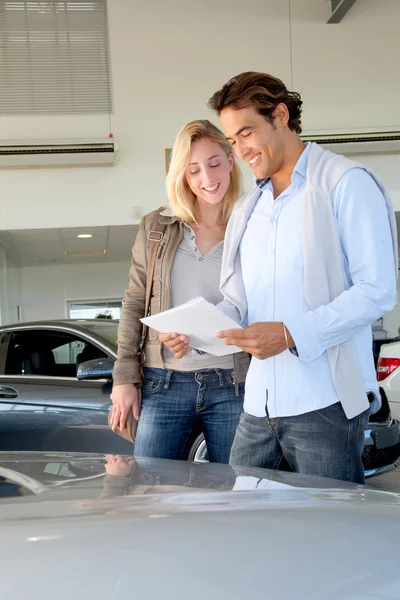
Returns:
<point x="54" y="57"/>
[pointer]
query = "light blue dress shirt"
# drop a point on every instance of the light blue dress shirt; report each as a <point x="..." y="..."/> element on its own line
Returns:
<point x="272" y="268"/>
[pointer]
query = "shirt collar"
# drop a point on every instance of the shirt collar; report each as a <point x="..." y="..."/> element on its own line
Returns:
<point x="299" y="170"/>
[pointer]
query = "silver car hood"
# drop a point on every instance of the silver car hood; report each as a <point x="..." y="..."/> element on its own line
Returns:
<point x="37" y="477"/>
<point x="178" y="530"/>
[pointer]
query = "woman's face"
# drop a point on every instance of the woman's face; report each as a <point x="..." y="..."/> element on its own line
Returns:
<point x="209" y="171"/>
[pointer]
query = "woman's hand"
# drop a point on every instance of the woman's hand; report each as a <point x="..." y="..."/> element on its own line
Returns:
<point x="119" y="465"/>
<point x="124" y="398"/>
<point x="178" y="344"/>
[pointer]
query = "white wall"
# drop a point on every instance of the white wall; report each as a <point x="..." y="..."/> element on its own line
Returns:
<point x="10" y="291"/>
<point x="46" y="290"/>
<point x="3" y="285"/>
<point x="13" y="283"/>
<point x="167" y="60"/>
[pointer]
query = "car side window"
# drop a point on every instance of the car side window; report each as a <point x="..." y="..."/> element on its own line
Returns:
<point x="48" y="353"/>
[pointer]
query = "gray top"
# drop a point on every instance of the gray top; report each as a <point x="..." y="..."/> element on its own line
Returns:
<point x="196" y="275"/>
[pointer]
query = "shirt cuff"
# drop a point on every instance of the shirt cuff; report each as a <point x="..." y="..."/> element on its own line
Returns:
<point x="304" y="332"/>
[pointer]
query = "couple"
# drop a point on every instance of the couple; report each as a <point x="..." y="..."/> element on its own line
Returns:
<point x="309" y="262"/>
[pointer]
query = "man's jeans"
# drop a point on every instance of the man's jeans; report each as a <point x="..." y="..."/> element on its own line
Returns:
<point x="173" y="402"/>
<point x="323" y="442"/>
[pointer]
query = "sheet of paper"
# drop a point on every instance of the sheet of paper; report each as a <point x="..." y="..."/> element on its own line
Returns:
<point x="199" y="320"/>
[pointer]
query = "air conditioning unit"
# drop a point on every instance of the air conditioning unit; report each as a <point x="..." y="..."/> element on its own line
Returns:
<point x="358" y="143"/>
<point x="57" y="153"/>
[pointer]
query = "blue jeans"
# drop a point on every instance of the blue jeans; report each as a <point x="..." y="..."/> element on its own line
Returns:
<point x="323" y="442"/>
<point x="175" y="402"/>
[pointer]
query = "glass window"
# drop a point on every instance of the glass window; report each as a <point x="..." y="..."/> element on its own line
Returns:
<point x="104" y="329"/>
<point x="54" y="354"/>
<point x="93" y="309"/>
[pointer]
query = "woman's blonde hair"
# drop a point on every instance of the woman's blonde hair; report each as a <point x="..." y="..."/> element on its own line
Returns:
<point x="180" y="196"/>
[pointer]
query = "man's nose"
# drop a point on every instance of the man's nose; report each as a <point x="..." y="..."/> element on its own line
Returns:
<point x="241" y="150"/>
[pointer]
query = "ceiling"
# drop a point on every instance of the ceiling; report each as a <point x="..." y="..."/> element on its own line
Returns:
<point x="34" y="247"/>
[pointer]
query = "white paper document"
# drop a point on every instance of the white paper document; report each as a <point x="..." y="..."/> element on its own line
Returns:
<point x="199" y="320"/>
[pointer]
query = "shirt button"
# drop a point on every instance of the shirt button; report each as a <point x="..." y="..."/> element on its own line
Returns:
<point x="200" y="258"/>
<point x="195" y="249"/>
<point x="192" y="238"/>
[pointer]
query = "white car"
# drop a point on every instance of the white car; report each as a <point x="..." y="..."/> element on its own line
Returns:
<point x="389" y="377"/>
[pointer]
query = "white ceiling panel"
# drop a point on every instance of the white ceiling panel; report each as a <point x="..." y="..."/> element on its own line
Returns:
<point x="33" y="247"/>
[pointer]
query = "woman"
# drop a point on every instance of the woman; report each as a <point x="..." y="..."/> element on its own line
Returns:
<point x="181" y="388"/>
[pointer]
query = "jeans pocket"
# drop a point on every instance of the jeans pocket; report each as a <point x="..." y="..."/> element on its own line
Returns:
<point x="151" y="384"/>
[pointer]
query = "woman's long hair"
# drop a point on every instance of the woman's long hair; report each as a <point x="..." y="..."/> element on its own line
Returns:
<point x="180" y="197"/>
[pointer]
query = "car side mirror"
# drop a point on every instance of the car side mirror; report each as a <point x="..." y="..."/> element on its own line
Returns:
<point x="99" y="368"/>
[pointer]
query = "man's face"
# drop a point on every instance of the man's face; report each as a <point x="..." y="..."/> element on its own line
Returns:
<point x="254" y="139"/>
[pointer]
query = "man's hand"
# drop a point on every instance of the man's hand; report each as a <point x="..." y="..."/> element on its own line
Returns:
<point x="261" y="340"/>
<point x="178" y="344"/>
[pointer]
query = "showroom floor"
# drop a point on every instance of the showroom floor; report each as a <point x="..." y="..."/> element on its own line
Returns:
<point x="389" y="481"/>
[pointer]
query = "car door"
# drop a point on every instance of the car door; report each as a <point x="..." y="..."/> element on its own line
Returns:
<point x="42" y="404"/>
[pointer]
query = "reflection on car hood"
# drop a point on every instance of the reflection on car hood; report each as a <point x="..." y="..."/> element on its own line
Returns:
<point x="114" y="528"/>
<point x="180" y="485"/>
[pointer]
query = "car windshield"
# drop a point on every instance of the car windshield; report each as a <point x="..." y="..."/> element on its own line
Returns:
<point x="107" y="330"/>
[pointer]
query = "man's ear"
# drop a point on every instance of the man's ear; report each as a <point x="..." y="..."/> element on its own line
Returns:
<point x="281" y="113"/>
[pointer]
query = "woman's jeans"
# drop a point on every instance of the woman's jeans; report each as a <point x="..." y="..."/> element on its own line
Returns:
<point x="175" y="402"/>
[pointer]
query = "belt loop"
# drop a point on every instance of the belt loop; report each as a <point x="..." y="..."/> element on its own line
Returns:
<point x="235" y="382"/>
<point x="220" y="377"/>
<point x="167" y="380"/>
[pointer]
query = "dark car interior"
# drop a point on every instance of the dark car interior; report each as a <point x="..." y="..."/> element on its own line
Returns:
<point x="34" y="353"/>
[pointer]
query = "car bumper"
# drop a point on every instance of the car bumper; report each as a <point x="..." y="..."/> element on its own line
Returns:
<point x="381" y="448"/>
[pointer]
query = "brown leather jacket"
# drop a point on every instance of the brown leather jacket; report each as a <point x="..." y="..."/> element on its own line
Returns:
<point x="127" y="368"/>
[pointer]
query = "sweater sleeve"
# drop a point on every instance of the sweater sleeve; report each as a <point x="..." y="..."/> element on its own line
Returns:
<point x="367" y="249"/>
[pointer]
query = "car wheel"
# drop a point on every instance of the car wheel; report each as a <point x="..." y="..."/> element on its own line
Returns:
<point x="198" y="451"/>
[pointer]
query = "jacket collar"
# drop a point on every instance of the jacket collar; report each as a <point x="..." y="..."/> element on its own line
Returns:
<point x="167" y="217"/>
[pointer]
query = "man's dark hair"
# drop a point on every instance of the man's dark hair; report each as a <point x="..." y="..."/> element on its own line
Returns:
<point x="262" y="91"/>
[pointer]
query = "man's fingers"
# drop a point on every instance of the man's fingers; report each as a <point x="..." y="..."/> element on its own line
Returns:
<point x="233" y="333"/>
<point x="241" y="343"/>
<point x="233" y="342"/>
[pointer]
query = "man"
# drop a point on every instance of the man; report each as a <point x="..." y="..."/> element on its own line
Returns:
<point x="310" y="262"/>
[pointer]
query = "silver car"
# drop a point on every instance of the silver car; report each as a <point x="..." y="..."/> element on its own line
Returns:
<point x="112" y="528"/>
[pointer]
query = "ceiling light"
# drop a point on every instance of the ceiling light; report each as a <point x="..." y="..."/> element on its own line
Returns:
<point x="84" y="236"/>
